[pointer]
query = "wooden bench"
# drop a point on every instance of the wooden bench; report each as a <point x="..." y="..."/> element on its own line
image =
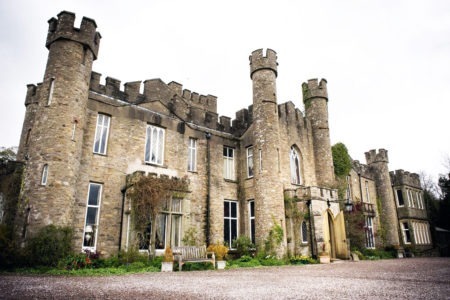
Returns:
<point x="185" y="254"/>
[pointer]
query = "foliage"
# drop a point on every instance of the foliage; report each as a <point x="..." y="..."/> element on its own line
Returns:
<point x="7" y="154"/>
<point x="302" y="260"/>
<point x="49" y="245"/>
<point x="197" y="266"/>
<point x="10" y="254"/>
<point x="168" y="255"/>
<point x="342" y="161"/>
<point x="148" y="196"/>
<point x="271" y="260"/>
<point x="244" y="261"/>
<point x="243" y="245"/>
<point x="190" y="237"/>
<point x="444" y="205"/>
<point x="356" y="223"/>
<point x="219" y="250"/>
<point x="274" y="238"/>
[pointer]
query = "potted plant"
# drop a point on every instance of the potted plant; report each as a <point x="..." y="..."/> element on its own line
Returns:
<point x="220" y="251"/>
<point x="324" y="256"/>
<point x="167" y="262"/>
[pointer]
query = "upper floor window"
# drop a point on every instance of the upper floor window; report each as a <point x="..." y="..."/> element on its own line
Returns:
<point x="295" y="166"/>
<point x="367" y="191"/>
<point x="192" y="155"/>
<point x="228" y="163"/>
<point x="92" y="216"/>
<point x="44" y="176"/>
<point x="101" y="134"/>
<point x="349" y="188"/>
<point x="250" y="162"/>
<point x="400" y="200"/>
<point x="154" y="145"/>
<point x="50" y="91"/>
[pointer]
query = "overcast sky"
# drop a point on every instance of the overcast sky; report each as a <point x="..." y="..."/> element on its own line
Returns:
<point x="387" y="63"/>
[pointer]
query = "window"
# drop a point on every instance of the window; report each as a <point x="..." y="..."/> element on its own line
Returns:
<point x="168" y="229"/>
<point x="2" y="208"/>
<point x="419" y="201"/>
<point x="154" y="145"/>
<point x="50" y="91"/>
<point x="370" y="241"/>
<point x="192" y="155"/>
<point x="400" y="200"/>
<point x="251" y="209"/>
<point x="367" y="191"/>
<point x="44" y="176"/>
<point x="410" y="198"/>
<point x="406" y="233"/>
<point x="349" y="188"/>
<point x="304" y="231"/>
<point x="295" y="166"/>
<point x="250" y="162"/>
<point x="101" y="134"/>
<point x="92" y="216"/>
<point x="228" y="163"/>
<point x="230" y="222"/>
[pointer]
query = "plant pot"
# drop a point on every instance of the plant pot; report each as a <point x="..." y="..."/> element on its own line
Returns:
<point x="166" y="266"/>
<point x="324" y="259"/>
<point x="221" y="264"/>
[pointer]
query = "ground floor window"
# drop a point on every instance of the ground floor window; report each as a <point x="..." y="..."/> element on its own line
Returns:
<point x="92" y="216"/>
<point x="421" y="233"/>
<point x="251" y="205"/>
<point x="370" y="240"/>
<point x="304" y="231"/>
<point x="230" y="222"/>
<point x="406" y="233"/>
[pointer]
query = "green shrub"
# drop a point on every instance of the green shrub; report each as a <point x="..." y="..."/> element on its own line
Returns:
<point x="302" y="260"/>
<point x="271" y="260"/>
<point x="244" y="261"/>
<point x="197" y="266"/>
<point x="11" y="256"/>
<point x="243" y="245"/>
<point x="49" y="246"/>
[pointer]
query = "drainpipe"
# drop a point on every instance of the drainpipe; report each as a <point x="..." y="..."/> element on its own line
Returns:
<point x="312" y="231"/>
<point x="123" y="190"/>
<point x="208" y="187"/>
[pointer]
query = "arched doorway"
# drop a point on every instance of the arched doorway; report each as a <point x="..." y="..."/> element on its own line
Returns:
<point x="331" y="234"/>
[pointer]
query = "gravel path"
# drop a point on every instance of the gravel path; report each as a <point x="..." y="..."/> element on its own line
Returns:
<point x="412" y="278"/>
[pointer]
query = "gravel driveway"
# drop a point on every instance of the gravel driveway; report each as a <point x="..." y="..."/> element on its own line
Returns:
<point x="412" y="278"/>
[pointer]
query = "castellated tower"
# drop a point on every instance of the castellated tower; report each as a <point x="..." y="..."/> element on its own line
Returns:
<point x="378" y="163"/>
<point x="315" y="98"/>
<point x="269" y="201"/>
<point x="52" y="136"/>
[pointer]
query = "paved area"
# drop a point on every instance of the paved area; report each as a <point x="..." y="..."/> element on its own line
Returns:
<point x="412" y="278"/>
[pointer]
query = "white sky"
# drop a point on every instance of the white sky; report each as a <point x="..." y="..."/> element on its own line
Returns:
<point x="387" y="63"/>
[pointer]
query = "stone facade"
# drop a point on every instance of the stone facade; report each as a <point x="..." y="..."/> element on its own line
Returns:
<point x="81" y="140"/>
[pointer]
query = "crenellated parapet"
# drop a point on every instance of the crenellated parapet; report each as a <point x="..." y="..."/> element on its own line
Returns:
<point x="373" y="156"/>
<point x="288" y="113"/>
<point x="314" y="89"/>
<point x="260" y="60"/>
<point x="400" y="177"/>
<point x="63" y="28"/>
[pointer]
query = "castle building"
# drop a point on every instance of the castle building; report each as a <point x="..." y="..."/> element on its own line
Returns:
<point x="269" y="168"/>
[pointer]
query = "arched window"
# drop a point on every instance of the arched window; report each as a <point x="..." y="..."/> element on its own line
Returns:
<point x="304" y="233"/>
<point x="295" y="166"/>
<point x="44" y="176"/>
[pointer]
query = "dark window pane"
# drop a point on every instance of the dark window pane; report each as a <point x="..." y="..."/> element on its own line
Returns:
<point x="233" y="209"/>
<point x="253" y="230"/>
<point x="233" y="230"/>
<point x="252" y="208"/>
<point x="91" y="216"/>
<point x="94" y="190"/>
<point x="400" y="197"/>
<point x="226" y="209"/>
<point x="226" y="232"/>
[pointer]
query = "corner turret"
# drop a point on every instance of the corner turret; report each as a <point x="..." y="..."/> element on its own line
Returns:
<point x="259" y="61"/>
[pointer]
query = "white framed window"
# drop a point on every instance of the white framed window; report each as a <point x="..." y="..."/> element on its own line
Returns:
<point x="304" y="231"/>
<point x="50" y="91"/>
<point x="419" y="201"/>
<point x="154" y="145"/>
<point x="101" y="134"/>
<point x="295" y="166"/>
<point x="370" y="239"/>
<point x="399" y="198"/>
<point x="92" y="216"/>
<point x="168" y="227"/>
<point x="250" y="162"/>
<point x="192" y="155"/>
<point x="406" y="233"/>
<point x="44" y="176"/>
<point x="251" y="210"/>
<point x="228" y="163"/>
<point x="366" y="184"/>
<point x="230" y="222"/>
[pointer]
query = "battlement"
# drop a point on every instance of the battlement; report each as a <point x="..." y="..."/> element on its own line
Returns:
<point x="314" y="89"/>
<point x="63" y="28"/>
<point x="373" y="156"/>
<point x="400" y="177"/>
<point x="260" y="60"/>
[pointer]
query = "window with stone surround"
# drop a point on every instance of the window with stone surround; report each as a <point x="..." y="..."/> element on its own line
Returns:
<point x="50" y="91"/>
<point x="230" y="222"/>
<point x="251" y="213"/>
<point x="295" y="166"/>
<point x="228" y="163"/>
<point x="92" y="216"/>
<point x="44" y="176"/>
<point x="101" y="134"/>
<point x="192" y="155"/>
<point x="399" y="198"/>
<point x="249" y="162"/>
<point x="406" y="233"/>
<point x="304" y="231"/>
<point x="366" y="184"/>
<point x="154" y="145"/>
<point x="370" y="239"/>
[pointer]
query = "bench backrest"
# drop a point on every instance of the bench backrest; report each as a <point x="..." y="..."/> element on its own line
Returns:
<point x="191" y="252"/>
